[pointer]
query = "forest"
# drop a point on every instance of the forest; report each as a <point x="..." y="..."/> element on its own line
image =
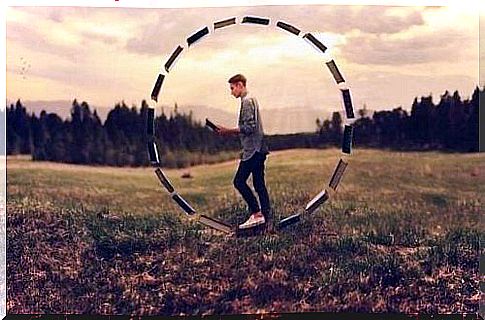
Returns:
<point x="450" y="125"/>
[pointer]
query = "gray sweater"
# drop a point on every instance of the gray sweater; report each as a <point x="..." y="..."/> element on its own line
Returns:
<point x="251" y="127"/>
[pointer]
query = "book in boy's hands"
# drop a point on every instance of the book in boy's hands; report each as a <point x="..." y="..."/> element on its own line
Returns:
<point x="211" y="125"/>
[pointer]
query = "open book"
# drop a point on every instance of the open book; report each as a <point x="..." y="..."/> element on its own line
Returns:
<point x="317" y="201"/>
<point x="211" y="125"/>
<point x="183" y="204"/>
<point x="164" y="180"/>
<point x="215" y="224"/>
<point x="289" y="220"/>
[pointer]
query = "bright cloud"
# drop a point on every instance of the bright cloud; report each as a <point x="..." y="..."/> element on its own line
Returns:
<point x="104" y="55"/>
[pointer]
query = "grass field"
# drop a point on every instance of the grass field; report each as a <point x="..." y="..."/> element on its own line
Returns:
<point x="110" y="240"/>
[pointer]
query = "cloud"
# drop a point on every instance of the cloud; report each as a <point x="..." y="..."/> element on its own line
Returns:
<point x="103" y="38"/>
<point x="423" y="47"/>
<point x="67" y="31"/>
<point x="170" y="27"/>
<point x="345" y="18"/>
<point x="34" y="39"/>
<point x="56" y="16"/>
<point x="173" y="26"/>
<point x="368" y="19"/>
<point x="114" y="53"/>
<point x="378" y="20"/>
<point x="74" y="75"/>
<point x="61" y="15"/>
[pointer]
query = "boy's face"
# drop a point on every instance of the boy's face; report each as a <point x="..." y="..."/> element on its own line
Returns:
<point x="236" y="89"/>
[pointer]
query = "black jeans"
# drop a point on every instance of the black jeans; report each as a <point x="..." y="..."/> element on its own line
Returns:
<point x="255" y="166"/>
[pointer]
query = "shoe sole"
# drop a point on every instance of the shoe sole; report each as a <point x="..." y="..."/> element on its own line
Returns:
<point x="251" y="225"/>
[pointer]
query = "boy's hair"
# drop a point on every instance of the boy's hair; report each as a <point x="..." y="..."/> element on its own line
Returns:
<point x="238" y="78"/>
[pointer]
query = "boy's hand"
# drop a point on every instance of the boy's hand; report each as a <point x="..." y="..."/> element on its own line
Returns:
<point x="223" y="131"/>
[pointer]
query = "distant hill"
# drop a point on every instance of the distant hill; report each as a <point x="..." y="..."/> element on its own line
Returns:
<point x="276" y="121"/>
<point x="60" y="107"/>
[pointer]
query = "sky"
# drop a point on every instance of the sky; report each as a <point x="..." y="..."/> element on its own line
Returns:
<point x="387" y="54"/>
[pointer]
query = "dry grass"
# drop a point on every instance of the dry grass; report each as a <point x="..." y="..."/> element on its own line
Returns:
<point x="110" y="240"/>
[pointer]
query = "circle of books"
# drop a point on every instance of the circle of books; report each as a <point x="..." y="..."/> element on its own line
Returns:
<point x="342" y="164"/>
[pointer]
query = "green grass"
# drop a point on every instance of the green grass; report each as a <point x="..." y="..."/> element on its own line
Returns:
<point x="402" y="220"/>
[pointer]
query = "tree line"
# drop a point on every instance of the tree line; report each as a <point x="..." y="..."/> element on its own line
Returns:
<point x="451" y="125"/>
<point x="121" y="140"/>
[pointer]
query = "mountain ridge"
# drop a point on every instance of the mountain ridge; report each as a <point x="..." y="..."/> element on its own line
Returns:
<point x="275" y="120"/>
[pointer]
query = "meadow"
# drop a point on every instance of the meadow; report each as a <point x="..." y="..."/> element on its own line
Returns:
<point x="405" y="228"/>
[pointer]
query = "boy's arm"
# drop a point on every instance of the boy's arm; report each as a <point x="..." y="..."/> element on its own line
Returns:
<point x="249" y="119"/>
<point x="223" y="131"/>
<point x="220" y="130"/>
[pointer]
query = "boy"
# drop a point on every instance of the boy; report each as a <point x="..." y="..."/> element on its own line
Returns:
<point x="250" y="131"/>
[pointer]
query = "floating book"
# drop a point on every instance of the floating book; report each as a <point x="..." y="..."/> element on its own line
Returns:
<point x="256" y="20"/>
<point x="317" y="201"/>
<point x="197" y="36"/>
<point x="183" y="204"/>
<point x="211" y="125"/>
<point x="289" y="220"/>
<point x="224" y="23"/>
<point x="288" y="27"/>
<point x="153" y="153"/>
<point x="215" y="224"/>
<point x="337" y="175"/>
<point x="315" y="42"/>
<point x="150" y="121"/>
<point x="157" y="87"/>
<point x="347" y="139"/>
<point x="348" y="103"/>
<point x="173" y="57"/>
<point x="164" y="180"/>
<point x="332" y="66"/>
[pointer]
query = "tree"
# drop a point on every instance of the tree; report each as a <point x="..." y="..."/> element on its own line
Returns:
<point x="336" y="128"/>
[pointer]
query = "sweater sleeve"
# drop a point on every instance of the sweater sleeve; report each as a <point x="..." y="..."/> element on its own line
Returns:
<point x="249" y="120"/>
